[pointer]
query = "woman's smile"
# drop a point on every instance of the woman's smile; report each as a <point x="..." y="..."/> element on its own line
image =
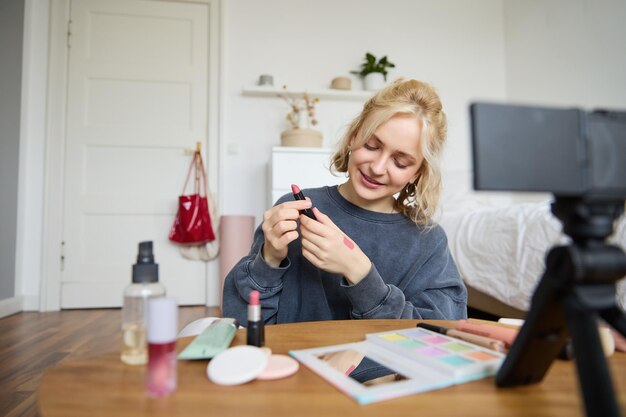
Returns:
<point x="369" y="182"/>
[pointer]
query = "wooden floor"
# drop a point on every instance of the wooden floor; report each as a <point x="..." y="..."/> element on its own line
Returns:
<point x="31" y="342"/>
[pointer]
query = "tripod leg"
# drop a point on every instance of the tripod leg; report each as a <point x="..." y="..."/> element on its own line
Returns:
<point x="544" y="332"/>
<point x="594" y="377"/>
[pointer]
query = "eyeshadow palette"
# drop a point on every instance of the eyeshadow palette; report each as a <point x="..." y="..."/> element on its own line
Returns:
<point x="456" y="358"/>
<point x="400" y="362"/>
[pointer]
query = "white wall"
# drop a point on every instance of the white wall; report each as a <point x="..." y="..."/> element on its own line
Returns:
<point x="566" y="52"/>
<point x="32" y="148"/>
<point x="458" y="46"/>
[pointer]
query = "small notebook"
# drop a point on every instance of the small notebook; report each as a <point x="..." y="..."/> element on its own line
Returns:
<point x="401" y="362"/>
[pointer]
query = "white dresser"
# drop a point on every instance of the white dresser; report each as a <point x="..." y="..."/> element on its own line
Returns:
<point x="305" y="167"/>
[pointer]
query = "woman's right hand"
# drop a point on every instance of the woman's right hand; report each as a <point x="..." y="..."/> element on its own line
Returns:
<point x="279" y="228"/>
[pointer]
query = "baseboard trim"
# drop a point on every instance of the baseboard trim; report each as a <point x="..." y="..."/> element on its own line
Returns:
<point x="10" y="306"/>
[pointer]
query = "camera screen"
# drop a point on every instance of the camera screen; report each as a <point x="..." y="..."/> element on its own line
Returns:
<point x="567" y="152"/>
<point x="607" y="150"/>
<point x="517" y="148"/>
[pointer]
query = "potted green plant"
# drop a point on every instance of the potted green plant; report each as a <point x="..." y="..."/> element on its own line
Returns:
<point x="373" y="71"/>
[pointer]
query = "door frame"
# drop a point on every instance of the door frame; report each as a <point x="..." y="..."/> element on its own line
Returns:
<point x="52" y="234"/>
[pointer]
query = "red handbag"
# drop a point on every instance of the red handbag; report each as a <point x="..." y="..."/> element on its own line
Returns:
<point x="192" y="224"/>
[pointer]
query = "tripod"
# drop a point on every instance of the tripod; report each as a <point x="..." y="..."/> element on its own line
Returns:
<point x="577" y="286"/>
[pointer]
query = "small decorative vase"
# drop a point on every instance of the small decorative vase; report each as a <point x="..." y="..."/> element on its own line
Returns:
<point x="341" y="83"/>
<point x="374" y="81"/>
<point x="303" y="119"/>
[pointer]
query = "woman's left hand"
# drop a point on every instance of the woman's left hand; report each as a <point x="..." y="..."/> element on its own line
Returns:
<point x="328" y="248"/>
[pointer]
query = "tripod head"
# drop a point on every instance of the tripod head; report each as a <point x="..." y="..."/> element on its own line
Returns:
<point x="587" y="220"/>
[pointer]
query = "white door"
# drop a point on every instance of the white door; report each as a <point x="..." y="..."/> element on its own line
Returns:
<point x="137" y="97"/>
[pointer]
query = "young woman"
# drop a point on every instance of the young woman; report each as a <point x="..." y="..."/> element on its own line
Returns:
<point x="373" y="250"/>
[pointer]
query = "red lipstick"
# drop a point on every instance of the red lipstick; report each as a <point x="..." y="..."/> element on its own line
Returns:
<point x="256" y="331"/>
<point x="297" y="194"/>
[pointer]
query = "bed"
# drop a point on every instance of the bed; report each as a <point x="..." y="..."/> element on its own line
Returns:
<point x="500" y="244"/>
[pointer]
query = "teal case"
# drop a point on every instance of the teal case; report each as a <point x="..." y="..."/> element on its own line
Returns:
<point x="213" y="340"/>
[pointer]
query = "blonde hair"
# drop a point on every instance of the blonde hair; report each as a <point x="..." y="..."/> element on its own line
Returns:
<point x="418" y="200"/>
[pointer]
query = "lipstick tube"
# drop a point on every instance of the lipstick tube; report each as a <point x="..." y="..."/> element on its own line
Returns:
<point x="297" y="194"/>
<point x="256" y="329"/>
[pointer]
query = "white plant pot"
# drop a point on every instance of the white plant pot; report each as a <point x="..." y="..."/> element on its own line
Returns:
<point x="303" y="119"/>
<point x="374" y="81"/>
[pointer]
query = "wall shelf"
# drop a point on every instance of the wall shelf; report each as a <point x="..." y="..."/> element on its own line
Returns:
<point x="324" y="94"/>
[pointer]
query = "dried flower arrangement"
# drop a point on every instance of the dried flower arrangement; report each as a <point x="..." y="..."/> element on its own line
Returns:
<point x="301" y="107"/>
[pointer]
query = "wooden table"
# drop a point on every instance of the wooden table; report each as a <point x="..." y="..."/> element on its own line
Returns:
<point x="103" y="386"/>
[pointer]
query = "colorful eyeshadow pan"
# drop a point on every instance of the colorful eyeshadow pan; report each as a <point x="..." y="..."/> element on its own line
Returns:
<point x="411" y="344"/>
<point x="458" y="347"/>
<point x="416" y="333"/>
<point x="393" y="337"/>
<point x="435" y="340"/>
<point x="481" y="356"/>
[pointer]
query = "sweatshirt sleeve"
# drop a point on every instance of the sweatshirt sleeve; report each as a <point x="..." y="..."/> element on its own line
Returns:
<point x="253" y="273"/>
<point x="433" y="291"/>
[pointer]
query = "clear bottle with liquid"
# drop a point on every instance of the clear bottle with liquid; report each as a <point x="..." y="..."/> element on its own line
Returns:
<point x="145" y="285"/>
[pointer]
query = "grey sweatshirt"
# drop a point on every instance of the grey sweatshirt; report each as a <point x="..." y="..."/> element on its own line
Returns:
<point x="413" y="275"/>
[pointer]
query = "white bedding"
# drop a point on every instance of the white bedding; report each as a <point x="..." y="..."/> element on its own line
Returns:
<point x="501" y="251"/>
